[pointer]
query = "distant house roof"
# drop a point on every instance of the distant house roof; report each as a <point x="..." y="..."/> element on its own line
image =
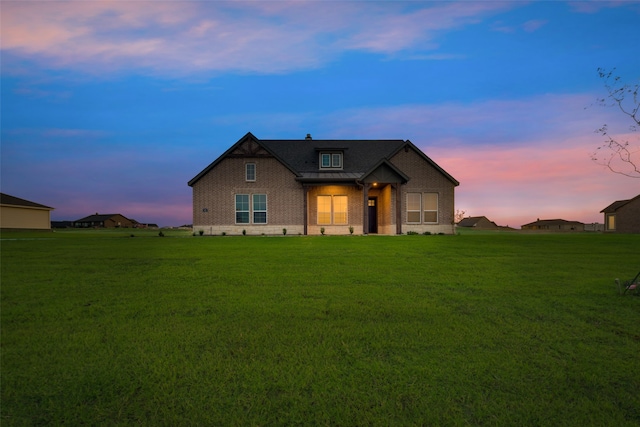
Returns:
<point x="542" y="222"/>
<point x="300" y="156"/>
<point x="98" y="217"/>
<point x="6" y="199"/>
<point x="473" y="221"/>
<point x="617" y="205"/>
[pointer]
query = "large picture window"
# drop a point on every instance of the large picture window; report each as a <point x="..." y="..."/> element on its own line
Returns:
<point x="332" y="210"/>
<point x="256" y="209"/>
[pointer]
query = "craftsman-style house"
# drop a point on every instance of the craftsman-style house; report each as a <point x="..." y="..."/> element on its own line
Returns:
<point x="310" y="186"/>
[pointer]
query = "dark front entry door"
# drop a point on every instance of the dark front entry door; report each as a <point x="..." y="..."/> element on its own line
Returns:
<point x="373" y="215"/>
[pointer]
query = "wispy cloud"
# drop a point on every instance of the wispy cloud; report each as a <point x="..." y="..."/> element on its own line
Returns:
<point x="194" y="37"/>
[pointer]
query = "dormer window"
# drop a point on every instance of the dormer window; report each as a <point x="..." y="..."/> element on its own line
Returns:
<point x="330" y="160"/>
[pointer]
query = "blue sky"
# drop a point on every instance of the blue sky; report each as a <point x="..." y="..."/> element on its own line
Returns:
<point x="112" y="106"/>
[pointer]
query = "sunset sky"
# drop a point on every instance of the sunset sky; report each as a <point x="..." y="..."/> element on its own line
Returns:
<point x="112" y="106"/>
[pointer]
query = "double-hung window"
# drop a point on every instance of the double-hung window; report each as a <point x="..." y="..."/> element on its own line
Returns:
<point x="413" y="207"/>
<point x="422" y="208"/>
<point x="259" y="208"/>
<point x="242" y="209"/>
<point x="430" y="208"/>
<point x="332" y="210"/>
<point x="251" y="207"/>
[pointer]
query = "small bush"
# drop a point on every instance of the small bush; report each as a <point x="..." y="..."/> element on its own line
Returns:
<point x="427" y="233"/>
<point x="350" y="229"/>
<point x="322" y="230"/>
<point x="161" y="234"/>
<point x="244" y="232"/>
<point x="284" y="231"/>
<point x="224" y="233"/>
<point x="412" y="233"/>
<point x="201" y="232"/>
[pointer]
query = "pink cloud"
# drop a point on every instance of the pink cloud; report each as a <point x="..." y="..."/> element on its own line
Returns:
<point x="191" y="37"/>
<point x="516" y="185"/>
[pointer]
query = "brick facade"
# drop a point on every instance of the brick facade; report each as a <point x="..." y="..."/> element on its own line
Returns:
<point x="425" y="178"/>
<point x="214" y="198"/>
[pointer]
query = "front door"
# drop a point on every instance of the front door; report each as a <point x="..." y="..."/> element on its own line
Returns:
<point x="373" y="214"/>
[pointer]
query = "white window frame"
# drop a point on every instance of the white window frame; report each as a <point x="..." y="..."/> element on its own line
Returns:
<point x="247" y="168"/>
<point x="248" y="210"/>
<point x="255" y="211"/>
<point x="334" y="160"/>
<point x="251" y="211"/>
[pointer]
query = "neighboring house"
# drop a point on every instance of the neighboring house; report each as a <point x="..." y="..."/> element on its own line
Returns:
<point x="16" y="213"/>
<point x="308" y="186"/>
<point x="623" y="216"/>
<point x="554" y="225"/>
<point x="478" y="222"/>
<point x="104" y="221"/>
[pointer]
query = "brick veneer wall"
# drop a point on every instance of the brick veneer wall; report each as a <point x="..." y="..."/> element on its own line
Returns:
<point x="628" y="217"/>
<point x="215" y="192"/>
<point x="424" y="178"/>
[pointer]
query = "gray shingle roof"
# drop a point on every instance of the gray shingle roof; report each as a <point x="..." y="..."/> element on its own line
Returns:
<point x="301" y="156"/>
<point x="359" y="155"/>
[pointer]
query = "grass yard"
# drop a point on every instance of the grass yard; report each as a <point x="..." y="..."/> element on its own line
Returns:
<point x="100" y="328"/>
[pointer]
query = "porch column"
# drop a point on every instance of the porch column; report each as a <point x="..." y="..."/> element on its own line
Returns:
<point x="365" y="209"/>
<point x="398" y="209"/>
<point x="305" y="214"/>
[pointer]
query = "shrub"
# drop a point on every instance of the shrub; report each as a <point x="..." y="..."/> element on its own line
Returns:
<point x="427" y="233"/>
<point x="412" y="233"/>
<point x="322" y="230"/>
<point x="201" y="232"/>
<point x="350" y="229"/>
<point x="224" y="233"/>
<point x="161" y="234"/>
<point x="244" y="232"/>
<point x="284" y="231"/>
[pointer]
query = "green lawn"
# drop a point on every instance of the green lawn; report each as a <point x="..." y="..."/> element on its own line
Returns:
<point x="100" y="328"/>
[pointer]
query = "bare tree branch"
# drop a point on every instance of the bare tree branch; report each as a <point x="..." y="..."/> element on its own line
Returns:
<point x="619" y="157"/>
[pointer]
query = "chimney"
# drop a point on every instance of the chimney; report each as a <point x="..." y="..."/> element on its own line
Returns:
<point x="308" y="137"/>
